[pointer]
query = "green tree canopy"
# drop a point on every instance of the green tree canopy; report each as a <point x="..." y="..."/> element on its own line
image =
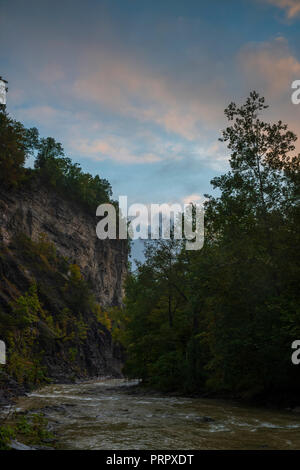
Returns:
<point x="224" y="317"/>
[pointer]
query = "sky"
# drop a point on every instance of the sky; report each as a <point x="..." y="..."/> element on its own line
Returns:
<point x="135" y="90"/>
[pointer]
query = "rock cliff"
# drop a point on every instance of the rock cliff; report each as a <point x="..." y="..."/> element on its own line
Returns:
<point x="67" y="342"/>
<point x="34" y="210"/>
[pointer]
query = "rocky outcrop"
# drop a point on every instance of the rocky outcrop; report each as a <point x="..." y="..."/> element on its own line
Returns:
<point x="36" y="209"/>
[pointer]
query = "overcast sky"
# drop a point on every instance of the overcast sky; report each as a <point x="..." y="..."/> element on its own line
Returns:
<point x="135" y="89"/>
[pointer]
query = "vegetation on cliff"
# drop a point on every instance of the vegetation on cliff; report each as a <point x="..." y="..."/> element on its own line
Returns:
<point x="52" y="167"/>
<point x="48" y="314"/>
<point x="224" y="318"/>
<point x="49" y="318"/>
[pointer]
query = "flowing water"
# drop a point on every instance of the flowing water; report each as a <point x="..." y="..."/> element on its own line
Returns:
<point x="112" y="414"/>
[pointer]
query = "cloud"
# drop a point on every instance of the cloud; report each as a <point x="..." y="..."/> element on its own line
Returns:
<point x="124" y="90"/>
<point x="85" y="135"/>
<point x="111" y="148"/>
<point x="270" y="65"/>
<point x="131" y="88"/>
<point x="292" y="7"/>
<point x="79" y="131"/>
<point x="51" y="120"/>
<point x="194" y="198"/>
<point x="43" y="114"/>
<point x="51" y="73"/>
<point x="270" y="68"/>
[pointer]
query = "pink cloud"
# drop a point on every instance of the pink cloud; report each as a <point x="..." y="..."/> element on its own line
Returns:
<point x="270" y="68"/>
<point x="270" y="64"/>
<point x="292" y="7"/>
<point x="135" y="90"/>
<point x="194" y="198"/>
<point x="111" y="148"/>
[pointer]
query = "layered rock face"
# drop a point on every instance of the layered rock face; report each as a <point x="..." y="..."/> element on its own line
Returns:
<point x="38" y="210"/>
<point x="34" y="210"/>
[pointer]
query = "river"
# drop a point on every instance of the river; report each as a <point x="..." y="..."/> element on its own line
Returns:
<point x="112" y="414"/>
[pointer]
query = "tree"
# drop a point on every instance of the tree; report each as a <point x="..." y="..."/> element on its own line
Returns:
<point x="224" y="317"/>
<point x="56" y="169"/>
<point x="16" y="144"/>
<point x="253" y="221"/>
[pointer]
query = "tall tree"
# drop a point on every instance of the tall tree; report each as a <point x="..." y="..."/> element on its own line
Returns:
<point x="16" y="144"/>
<point x="224" y="317"/>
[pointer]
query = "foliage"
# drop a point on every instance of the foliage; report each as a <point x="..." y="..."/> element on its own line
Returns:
<point x="56" y="169"/>
<point x="16" y="144"/>
<point x="223" y="318"/>
<point x="52" y="318"/>
<point x="47" y="307"/>
<point x="7" y="433"/>
<point x="103" y="317"/>
<point x="29" y="429"/>
<point x="52" y="167"/>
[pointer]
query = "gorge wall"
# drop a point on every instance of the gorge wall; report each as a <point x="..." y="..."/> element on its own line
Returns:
<point x="32" y="210"/>
<point x="36" y="209"/>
